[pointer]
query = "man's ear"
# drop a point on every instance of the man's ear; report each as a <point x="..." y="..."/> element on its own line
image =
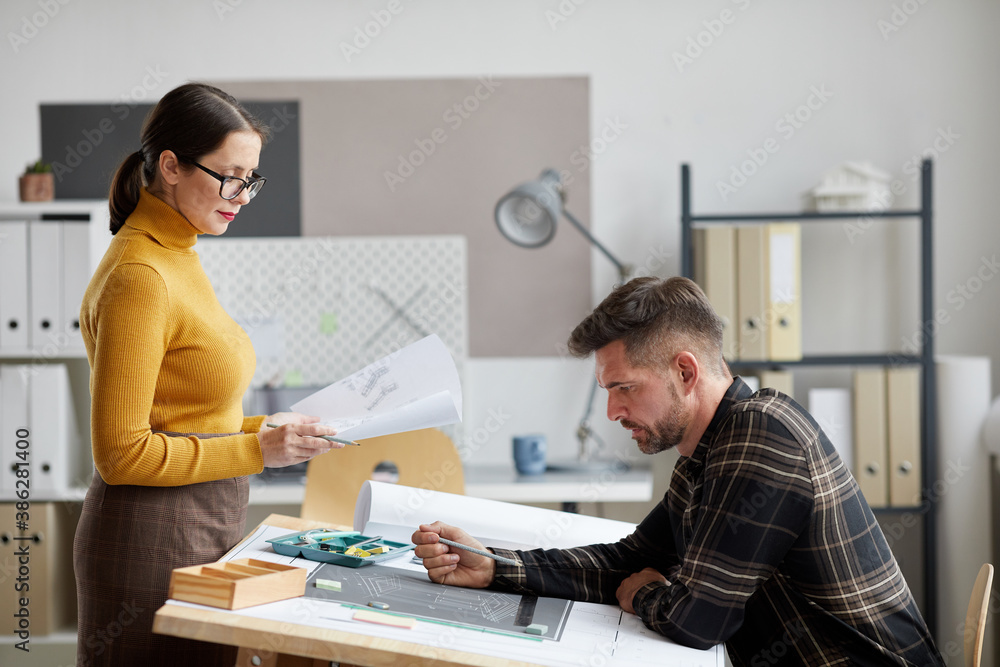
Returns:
<point x="170" y="168"/>
<point x="689" y="371"/>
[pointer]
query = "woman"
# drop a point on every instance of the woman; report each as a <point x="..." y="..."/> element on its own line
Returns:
<point x="168" y="371"/>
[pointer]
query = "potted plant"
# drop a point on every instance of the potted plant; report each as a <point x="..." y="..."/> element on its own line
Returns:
<point x="37" y="183"/>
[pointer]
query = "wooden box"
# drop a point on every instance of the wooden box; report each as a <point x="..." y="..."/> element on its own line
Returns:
<point x="236" y="584"/>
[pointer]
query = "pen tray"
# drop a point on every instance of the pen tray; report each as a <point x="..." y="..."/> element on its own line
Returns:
<point x="292" y="545"/>
<point x="237" y="583"/>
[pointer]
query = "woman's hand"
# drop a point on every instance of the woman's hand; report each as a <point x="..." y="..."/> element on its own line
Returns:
<point x="290" y="442"/>
<point x="455" y="567"/>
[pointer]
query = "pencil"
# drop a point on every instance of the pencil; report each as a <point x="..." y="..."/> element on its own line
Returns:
<point x="499" y="559"/>
<point x="325" y="437"/>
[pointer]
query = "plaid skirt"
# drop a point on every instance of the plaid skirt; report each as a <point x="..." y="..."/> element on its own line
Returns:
<point x="128" y="541"/>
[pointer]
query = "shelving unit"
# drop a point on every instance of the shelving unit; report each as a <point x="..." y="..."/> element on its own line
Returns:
<point x="58" y="645"/>
<point x="925" y="359"/>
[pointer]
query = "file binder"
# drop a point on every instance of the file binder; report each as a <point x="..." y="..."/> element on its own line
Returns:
<point x="780" y="380"/>
<point x="53" y="430"/>
<point x="45" y="283"/>
<point x="14" y="322"/>
<point x="8" y="561"/>
<point x="783" y="298"/>
<point x="53" y="601"/>
<point x="904" y="436"/>
<point x="831" y="408"/>
<point x="76" y="277"/>
<point x="750" y="292"/>
<point x="715" y="272"/>
<point x="14" y="416"/>
<point x="870" y="441"/>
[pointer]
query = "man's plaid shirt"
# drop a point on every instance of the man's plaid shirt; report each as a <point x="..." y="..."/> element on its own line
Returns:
<point x="766" y="544"/>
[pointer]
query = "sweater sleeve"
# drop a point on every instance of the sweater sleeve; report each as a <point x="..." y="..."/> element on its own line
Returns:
<point x="253" y="424"/>
<point x="131" y="334"/>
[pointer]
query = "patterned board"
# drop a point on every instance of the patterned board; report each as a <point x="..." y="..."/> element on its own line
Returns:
<point x="318" y="309"/>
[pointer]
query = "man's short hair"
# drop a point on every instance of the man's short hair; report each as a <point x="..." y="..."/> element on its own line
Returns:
<point x="655" y="318"/>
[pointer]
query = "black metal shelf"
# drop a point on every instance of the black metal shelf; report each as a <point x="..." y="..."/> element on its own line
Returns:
<point x="913" y="509"/>
<point x="814" y="216"/>
<point x="925" y="358"/>
<point x="831" y="360"/>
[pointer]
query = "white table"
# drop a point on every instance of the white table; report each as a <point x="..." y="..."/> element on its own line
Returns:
<point x="569" y="487"/>
<point x="502" y="482"/>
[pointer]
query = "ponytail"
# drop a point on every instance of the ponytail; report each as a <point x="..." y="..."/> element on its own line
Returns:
<point x="125" y="189"/>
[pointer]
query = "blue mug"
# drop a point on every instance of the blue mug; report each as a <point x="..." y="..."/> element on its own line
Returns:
<point x="529" y="454"/>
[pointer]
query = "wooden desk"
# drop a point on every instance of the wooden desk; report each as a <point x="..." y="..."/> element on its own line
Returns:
<point x="265" y="643"/>
<point x="273" y="638"/>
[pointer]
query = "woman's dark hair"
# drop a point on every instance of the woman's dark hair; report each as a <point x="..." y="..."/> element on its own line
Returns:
<point x="191" y="120"/>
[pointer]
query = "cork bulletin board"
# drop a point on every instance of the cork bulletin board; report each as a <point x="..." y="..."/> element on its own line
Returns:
<point x="433" y="156"/>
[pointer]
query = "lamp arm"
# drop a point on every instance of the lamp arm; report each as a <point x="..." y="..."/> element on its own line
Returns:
<point x="623" y="270"/>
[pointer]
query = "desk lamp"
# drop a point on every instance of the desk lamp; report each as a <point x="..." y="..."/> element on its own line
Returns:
<point x="527" y="217"/>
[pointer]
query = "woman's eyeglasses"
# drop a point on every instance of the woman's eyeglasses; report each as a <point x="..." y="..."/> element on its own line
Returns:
<point x="230" y="187"/>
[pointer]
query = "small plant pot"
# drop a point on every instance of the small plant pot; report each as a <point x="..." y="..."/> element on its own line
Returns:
<point x="37" y="187"/>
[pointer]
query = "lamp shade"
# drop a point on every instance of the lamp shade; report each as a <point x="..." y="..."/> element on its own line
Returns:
<point x="527" y="214"/>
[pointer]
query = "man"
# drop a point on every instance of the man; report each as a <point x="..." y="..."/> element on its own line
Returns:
<point x="763" y="541"/>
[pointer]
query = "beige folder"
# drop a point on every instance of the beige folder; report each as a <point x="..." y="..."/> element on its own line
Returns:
<point x="783" y="291"/>
<point x="8" y="569"/>
<point x="750" y="258"/>
<point x="51" y="595"/>
<point x="780" y="380"/>
<point x="870" y="442"/>
<point x="715" y="272"/>
<point x="904" y="436"/>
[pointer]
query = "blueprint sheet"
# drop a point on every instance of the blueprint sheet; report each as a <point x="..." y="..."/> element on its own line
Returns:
<point x="412" y="593"/>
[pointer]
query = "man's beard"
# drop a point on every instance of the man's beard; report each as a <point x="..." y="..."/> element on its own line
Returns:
<point x="666" y="433"/>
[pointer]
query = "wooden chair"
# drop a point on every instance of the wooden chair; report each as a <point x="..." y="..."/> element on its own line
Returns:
<point x="975" y="618"/>
<point x="424" y="459"/>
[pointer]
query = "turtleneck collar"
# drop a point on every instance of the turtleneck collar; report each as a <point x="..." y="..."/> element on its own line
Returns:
<point x="166" y="225"/>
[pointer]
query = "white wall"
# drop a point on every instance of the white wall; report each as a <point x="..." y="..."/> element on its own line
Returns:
<point x="886" y="97"/>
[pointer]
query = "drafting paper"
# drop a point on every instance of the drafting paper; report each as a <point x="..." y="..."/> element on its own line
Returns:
<point x="414" y="388"/>
<point x="395" y="511"/>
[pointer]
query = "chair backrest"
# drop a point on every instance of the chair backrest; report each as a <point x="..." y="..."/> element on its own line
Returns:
<point x="975" y="618"/>
<point x="425" y="459"/>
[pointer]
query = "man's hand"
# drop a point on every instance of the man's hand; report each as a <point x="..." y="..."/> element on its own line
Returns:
<point x="453" y="566"/>
<point x="629" y="587"/>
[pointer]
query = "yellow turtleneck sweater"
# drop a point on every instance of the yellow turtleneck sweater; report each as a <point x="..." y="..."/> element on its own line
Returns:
<point x="164" y="356"/>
